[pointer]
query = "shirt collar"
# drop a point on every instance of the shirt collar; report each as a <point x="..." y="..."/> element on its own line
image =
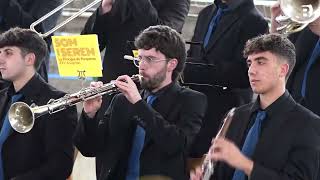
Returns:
<point x="220" y="4"/>
<point x="274" y="108"/>
<point x="231" y="4"/>
<point x="28" y="89"/>
<point x="158" y="93"/>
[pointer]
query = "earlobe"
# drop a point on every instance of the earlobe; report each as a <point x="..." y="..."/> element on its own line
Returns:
<point x="173" y="64"/>
<point x="30" y="59"/>
<point x="284" y="70"/>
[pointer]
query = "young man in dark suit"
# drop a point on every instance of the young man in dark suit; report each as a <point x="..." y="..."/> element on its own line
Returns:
<point x="273" y="137"/>
<point x="223" y="28"/>
<point x="149" y="132"/>
<point x="46" y="152"/>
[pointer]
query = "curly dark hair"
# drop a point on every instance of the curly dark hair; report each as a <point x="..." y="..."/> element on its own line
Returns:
<point x="166" y="40"/>
<point x="277" y="44"/>
<point x="28" y="41"/>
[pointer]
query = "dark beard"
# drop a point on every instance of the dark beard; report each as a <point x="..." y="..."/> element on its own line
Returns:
<point x="154" y="82"/>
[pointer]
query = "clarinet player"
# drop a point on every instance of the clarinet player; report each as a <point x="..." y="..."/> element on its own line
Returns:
<point x="145" y="133"/>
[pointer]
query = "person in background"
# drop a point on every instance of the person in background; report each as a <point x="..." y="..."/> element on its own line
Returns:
<point x="303" y="81"/>
<point x="46" y="152"/>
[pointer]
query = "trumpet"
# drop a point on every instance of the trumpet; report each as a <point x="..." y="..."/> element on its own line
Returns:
<point x="22" y="116"/>
<point x="208" y="165"/>
<point x="297" y="15"/>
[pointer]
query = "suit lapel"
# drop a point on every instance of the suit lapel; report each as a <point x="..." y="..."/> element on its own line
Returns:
<point x="206" y="22"/>
<point x="164" y="105"/>
<point x="239" y="126"/>
<point x="225" y="23"/>
<point x="227" y="20"/>
<point x="236" y="133"/>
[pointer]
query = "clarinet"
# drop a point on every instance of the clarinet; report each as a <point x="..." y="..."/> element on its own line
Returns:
<point x="208" y="164"/>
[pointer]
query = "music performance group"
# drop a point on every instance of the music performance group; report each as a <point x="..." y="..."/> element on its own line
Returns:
<point x="165" y="114"/>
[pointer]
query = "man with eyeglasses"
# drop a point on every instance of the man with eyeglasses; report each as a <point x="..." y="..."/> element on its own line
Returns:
<point x="146" y="133"/>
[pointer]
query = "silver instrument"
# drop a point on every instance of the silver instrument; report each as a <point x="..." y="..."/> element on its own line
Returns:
<point x="21" y="115"/>
<point x="208" y="164"/>
<point x="297" y="15"/>
<point x="84" y="9"/>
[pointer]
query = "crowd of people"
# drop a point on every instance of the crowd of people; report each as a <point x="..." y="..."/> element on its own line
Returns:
<point x="156" y="127"/>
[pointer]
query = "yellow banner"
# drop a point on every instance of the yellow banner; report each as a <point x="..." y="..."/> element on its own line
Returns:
<point x="78" y="55"/>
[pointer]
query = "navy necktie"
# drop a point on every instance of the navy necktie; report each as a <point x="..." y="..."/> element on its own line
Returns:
<point x="250" y="142"/>
<point x="315" y="54"/>
<point x="137" y="145"/>
<point x="5" y="131"/>
<point x="213" y="24"/>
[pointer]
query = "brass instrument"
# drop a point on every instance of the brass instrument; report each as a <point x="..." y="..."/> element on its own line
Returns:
<point x="297" y="15"/>
<point x="21" y="115"/>
<point x="208" y="164"/>
<point x="84" y="9"/>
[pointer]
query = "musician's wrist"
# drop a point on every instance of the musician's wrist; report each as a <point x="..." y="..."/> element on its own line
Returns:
<point x="91" y="115"/>
<point x="247" y="166"/>
<point x="135" y="99"/>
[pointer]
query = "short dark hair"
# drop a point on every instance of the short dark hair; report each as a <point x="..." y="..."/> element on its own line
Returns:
<point x="277" y="44"/>
<point x="166" y="40"/>
<point x="28" y="41"/>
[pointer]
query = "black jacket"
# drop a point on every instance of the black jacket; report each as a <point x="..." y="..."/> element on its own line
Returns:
<point x="170" y="128"/>
<point x="228" y="66"/>
<point x="304" y="43"/>
<point x="125" y="21"/>
<point x="289" y="143"/>
<point x="46" y="152"/>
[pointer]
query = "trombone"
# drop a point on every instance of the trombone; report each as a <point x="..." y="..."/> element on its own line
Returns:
<point x="82" y="10"/>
